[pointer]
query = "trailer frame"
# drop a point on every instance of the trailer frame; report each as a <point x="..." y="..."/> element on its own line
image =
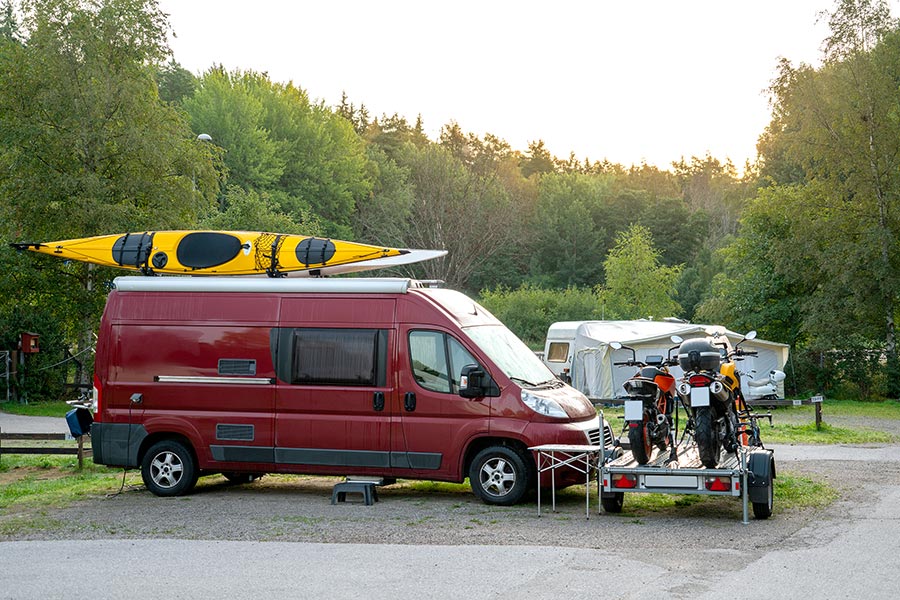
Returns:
<point x="750" y="473"/>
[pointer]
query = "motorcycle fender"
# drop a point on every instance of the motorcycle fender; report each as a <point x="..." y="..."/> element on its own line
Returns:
<point x="761" y="466"/>
<point x="634" y="410"/>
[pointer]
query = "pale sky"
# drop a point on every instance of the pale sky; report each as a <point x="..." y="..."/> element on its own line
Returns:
<point x="624" y="80"/>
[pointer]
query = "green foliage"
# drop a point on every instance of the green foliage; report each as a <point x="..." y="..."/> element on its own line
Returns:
<point x="252" y="211"/>
<point x="569" y="242"/>
<point x="275" y="140"/>
<point x="175" y="83"/>
<point x="637" y="286"/>
<point x="529" y="310"/>
<point x="86" y="148"/>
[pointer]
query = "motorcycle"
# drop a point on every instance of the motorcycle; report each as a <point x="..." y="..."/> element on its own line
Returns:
<point x="711" y="392"/>
<point x="650" y="403"/>
<point x="765" y="388"/>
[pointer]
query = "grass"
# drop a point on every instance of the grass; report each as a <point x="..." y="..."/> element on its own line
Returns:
<point x="796" y="424"/>
<point x="36" y="409"/>
<point x="54" y="481"/>
<point x="785" y="433"/>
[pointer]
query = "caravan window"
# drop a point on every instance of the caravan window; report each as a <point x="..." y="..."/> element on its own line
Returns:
<point x="558" y="352"/>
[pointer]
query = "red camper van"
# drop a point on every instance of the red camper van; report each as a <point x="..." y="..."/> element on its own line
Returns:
<point x="376" y="377"/>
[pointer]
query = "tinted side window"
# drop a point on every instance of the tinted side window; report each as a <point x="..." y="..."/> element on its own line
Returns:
<point x="338" y="356"/>
<point x="437" y="360"/>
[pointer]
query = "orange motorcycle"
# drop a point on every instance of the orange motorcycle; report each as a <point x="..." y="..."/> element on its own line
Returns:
<point x="649" y="403"/>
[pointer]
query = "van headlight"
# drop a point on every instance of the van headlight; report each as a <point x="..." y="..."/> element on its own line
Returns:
<point x="543" y="406"/>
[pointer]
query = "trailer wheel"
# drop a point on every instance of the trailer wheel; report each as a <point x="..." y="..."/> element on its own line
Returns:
<point x="763" y="510"/>
<point x="613" y="503"/>
<point x="499" y="475"/>
<point x="169" y="469"/>
<point x="706" y="436"/>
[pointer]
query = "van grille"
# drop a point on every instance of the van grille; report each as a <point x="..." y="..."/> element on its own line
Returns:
<point x="593" y="436"/>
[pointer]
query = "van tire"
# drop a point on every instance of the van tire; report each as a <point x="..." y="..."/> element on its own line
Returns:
<point x="499" y="475"/>
<point x="169" y="469"/>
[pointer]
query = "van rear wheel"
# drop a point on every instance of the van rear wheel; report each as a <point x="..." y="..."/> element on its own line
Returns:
<point x="499" y="475"/>
<point x="169" y="469"/>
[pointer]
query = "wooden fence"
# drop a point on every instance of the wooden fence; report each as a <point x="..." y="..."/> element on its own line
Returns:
<point x="81" y="451"/>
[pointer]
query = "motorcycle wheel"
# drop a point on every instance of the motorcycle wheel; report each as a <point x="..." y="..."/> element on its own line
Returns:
<point x="706" y="436"/>
<point x="640" y="442"/>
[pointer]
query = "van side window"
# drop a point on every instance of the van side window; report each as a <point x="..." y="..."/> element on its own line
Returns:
<point x="338" y="356"/>
<point x="437" y="360"/>
<point x="558" y="352"/>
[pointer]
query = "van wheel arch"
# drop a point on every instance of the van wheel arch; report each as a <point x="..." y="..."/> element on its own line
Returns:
<point x="152" y="439"/>
<point x="518" y="446"/>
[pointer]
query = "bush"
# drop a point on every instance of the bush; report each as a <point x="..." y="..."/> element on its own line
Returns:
<point x="529" y="310"/>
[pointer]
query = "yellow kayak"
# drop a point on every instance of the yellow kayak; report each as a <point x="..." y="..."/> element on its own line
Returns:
<point x="228" y="253"/>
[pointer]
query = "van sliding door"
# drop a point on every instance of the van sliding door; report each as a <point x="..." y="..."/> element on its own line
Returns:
<point x="333" y="400"/>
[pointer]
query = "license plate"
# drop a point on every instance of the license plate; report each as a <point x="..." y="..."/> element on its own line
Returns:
<point x="634" y="410"/>
<point x="699" y="397"/>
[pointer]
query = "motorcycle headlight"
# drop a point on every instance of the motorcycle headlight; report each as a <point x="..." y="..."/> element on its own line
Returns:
<point x="543" y="406"/>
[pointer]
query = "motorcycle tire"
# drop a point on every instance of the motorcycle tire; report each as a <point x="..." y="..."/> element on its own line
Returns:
<point x="706" y="436"/>
<point x="641" y="448"/>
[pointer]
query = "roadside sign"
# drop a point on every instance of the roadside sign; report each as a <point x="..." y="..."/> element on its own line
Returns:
<point x="817" y="399"/>
<point x="798" y="402"/>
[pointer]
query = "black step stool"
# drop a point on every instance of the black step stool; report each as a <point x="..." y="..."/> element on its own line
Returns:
<point x="366" y="488"/>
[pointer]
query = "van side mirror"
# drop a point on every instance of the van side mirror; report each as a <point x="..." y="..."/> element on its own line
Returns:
<point x="475" y="383"/>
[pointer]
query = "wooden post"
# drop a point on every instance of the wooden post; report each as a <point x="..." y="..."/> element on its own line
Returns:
<point x="817" y="402"/>
<point x="80" y="452"/>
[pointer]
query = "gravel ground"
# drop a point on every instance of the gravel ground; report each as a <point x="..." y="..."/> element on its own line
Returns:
<point x="294" y="508"/>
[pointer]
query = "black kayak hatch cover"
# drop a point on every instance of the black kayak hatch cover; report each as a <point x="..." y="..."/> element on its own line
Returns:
<point x="205" y="249"/>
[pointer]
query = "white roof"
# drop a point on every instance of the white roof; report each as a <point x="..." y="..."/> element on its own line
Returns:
<point x="362" y="285"/>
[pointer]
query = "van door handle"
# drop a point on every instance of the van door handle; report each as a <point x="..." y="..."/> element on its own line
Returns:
<point x="378" y="401"/>
<point x="409" y="401"/>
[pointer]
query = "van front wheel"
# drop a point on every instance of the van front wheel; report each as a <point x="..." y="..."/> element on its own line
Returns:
<point x="169" y="469"/>
<point x="499" y="475"/>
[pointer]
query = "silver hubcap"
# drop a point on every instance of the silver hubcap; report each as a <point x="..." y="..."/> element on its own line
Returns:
<point x="166" y="469"/>
<point x="498" y="476"/>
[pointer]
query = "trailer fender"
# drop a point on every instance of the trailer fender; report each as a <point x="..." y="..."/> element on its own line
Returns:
<point x="761" y="467"/>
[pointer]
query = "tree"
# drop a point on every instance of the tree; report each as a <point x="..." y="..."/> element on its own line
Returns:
<point x="836" y="128"/>
<point x="436" y="202"/>
<point x="637" y="286"/>
<point x="538" y="160"/>
<point x="87" y="148"/>
<point x="252" y="211"/>
<point x="9" y="25"/>
<point x="275" y="140"/>
<point x="175" y="83"/>
<point x="570" y="234"/>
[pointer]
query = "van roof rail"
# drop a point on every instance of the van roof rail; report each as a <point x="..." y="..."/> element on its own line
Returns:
<point x="361" y="285"/>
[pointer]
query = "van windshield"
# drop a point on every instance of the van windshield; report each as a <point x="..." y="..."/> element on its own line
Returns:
<point x="509" y="353"/>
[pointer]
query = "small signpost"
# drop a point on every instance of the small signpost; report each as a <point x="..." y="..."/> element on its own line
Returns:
<point x="815" y="401"/>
